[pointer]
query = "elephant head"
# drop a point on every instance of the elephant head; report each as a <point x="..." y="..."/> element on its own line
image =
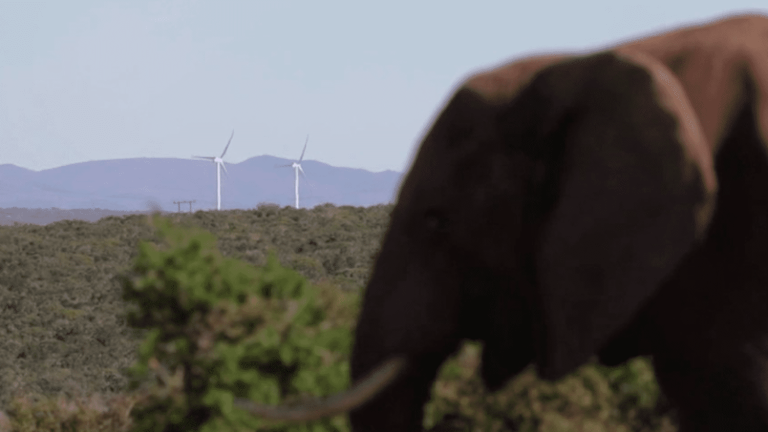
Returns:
<point x="594" y="179"/>
<point x="548" y="205"/>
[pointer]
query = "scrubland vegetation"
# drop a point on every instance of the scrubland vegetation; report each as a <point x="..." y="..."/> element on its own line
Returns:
<point x="100" y="333"/>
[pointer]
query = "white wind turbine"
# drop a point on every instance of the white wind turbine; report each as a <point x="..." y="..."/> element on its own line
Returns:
<point x="297" y="167"/>
<point x="219" y="164"/>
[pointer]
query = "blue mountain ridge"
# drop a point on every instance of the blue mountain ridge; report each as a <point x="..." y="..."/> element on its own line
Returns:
<point x="134" y="184"/>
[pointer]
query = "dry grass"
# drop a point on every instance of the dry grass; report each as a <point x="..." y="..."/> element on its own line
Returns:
<point x="78" y="413"/>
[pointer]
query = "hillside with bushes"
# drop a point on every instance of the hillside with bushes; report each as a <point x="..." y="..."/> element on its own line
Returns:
<point x="67" y="343"/>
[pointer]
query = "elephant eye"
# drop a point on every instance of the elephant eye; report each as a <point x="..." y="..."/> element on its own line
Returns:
<point x="435" y="221"/>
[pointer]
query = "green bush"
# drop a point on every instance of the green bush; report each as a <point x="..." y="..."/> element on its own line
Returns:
<point x="220" y="329"/>
<point x="593" y="398"/>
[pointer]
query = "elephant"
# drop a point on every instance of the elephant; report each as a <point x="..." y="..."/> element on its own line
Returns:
<point x="562" y="207"/>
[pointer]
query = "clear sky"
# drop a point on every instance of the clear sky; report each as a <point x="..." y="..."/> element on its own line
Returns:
<point x="90" y="80"/>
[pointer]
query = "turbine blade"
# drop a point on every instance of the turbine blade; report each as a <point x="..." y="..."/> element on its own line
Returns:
<point x="305" y="149"/>
<point x="230" y="140"/>
<point x="205" y="157"/>
<point x="281" y="166"/>
<point x="306" y="180"/>
<point x="225" y="168"/>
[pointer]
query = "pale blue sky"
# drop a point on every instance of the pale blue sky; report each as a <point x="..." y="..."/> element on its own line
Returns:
<point x="92" y="80"/>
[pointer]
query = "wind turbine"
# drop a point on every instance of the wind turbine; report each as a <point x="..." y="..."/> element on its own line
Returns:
<point x="297" y="167"/>
<point x="219" y="165"/>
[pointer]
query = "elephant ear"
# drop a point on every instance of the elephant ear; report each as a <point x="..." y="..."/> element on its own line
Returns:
<point x="629" y="188"/>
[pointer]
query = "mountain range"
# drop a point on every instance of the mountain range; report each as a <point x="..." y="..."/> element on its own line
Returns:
<point x="139" y="183"/>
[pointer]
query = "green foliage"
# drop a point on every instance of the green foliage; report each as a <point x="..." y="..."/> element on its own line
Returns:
<point x="46" y="354"/>
<point x="227" y="330"/>
<point x="593" y="398"/>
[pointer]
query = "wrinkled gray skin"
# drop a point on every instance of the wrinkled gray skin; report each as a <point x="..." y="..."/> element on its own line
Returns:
<point x="574" y="219"/>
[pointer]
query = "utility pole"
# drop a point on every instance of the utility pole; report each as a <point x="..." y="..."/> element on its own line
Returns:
<point x="178" y="203"/>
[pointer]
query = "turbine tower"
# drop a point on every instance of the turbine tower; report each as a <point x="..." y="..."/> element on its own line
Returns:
<point x="219" y="161"/>
<point x="297" y="168"/>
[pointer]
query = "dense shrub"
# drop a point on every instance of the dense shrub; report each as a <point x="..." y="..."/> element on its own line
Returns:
<point x="227" y="330"/>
